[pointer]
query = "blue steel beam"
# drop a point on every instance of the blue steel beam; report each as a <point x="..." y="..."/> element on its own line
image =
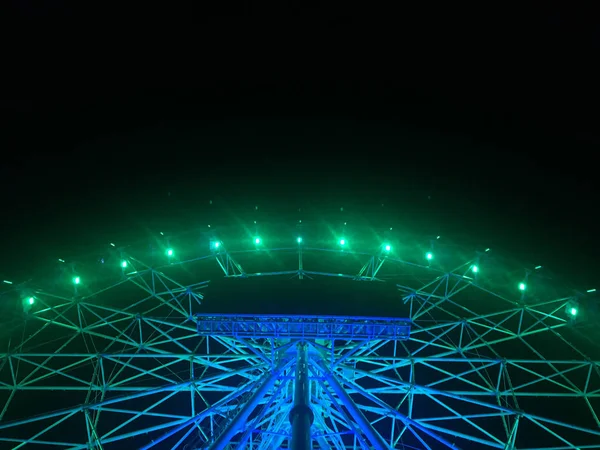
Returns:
<point x="240" y="419"/>
<point x="372" y="435"/>
<point x="302" y="327"/>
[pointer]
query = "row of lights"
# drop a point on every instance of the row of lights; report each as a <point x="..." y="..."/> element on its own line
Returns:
<point x="386" y="247"/>
<point x="258" y="241"/>
<point x="572" y="310"/>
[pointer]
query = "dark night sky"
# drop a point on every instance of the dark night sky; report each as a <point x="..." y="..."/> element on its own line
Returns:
<point x="496" y="141"/>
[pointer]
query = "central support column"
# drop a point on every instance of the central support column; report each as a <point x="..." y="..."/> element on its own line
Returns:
<point x="301" y="416"/>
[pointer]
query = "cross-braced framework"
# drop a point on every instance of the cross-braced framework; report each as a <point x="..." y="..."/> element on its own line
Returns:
<point x="469" y="361"/>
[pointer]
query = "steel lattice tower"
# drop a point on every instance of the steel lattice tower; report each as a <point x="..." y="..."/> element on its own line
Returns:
<point x="122" y="354"/>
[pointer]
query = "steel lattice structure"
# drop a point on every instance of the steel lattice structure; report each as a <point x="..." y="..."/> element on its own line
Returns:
<point x="137" y="363"/>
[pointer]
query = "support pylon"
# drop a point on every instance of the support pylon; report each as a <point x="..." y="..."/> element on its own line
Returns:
<point x="301" y="415"/>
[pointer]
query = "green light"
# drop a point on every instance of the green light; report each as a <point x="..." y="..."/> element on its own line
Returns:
<point x="299" y="240"/>
<point x="342" y="242"/>
<point x="217" y="244"/>
<point x="475" y="269"/>
<point x="573" y="311"/>
<point x="257" y="241"/>
<point x="589" y="290"/>
<point x="76" y="280"/>
<point x="387" y="247"/>
<point x="7" y="282"/>
<point x="429" y="256"/>
<point x="123" y="264"/>
<point x="170" y="252"/>
<point x="522" y="286"/>
<point x="31" y="300"/>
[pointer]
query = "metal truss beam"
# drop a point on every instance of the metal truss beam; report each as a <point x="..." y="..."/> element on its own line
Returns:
<point x="370" y="269"/>
<point x="230" y="267"/>
<point x="303" y="327"/>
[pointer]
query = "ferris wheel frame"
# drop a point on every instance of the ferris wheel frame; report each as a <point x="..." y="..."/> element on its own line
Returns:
<point x="163" y="348"/>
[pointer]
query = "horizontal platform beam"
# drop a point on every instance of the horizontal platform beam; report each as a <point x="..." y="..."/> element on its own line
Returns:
<point x="304" y="327"/>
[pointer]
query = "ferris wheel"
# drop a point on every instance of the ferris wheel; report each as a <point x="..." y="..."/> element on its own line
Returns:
<point x="298" y="338"/>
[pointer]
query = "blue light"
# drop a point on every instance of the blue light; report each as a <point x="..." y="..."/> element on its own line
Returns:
<point x="305" y="327"/>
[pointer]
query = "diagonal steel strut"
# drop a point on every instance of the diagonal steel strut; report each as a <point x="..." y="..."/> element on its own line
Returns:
<point x="240" y="419"/>
<point x="372" y="435"/>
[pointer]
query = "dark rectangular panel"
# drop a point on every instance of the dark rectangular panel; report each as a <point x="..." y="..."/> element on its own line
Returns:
<point x="321" y="296"/>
